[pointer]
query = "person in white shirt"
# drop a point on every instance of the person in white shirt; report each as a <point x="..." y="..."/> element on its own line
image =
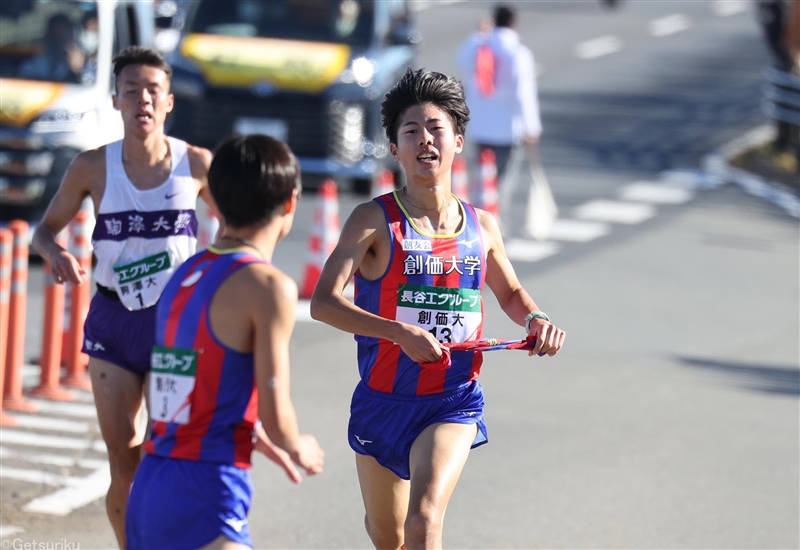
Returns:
<point x="500" y="85"/>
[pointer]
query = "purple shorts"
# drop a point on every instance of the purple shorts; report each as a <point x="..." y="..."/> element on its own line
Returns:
<point x="114" y="334"/>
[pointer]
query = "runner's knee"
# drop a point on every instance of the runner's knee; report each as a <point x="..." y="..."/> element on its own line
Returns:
<point x="384" y="537"/>
<point x="423" y="525"/>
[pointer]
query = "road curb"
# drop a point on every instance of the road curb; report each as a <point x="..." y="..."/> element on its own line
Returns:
<point x="718" y="165"/>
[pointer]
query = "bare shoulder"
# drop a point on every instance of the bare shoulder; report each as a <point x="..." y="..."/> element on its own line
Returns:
<point x="273" y="287"/>
<point x="367" y="215"/>
<point x="199" y="161"/>
<point x="91" y="160"/>
<point x="490" y="227"/>
<point x="88" y="170"/>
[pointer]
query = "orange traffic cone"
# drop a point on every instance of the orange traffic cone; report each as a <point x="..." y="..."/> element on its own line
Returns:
<point x="489" y="182"/>
<point x="458" y="179"/>
<point x="324" y="236"/>
<point x="383" y="183"/>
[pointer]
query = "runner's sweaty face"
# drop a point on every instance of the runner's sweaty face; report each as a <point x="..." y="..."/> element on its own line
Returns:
<point x="143" y="99"/>
<point x="426" y="143"/>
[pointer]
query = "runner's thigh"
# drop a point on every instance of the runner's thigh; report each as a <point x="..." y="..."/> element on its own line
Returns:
<point x="438" y="456"/>
<point x="118" y="398"/>
<point x="385" y="495"/>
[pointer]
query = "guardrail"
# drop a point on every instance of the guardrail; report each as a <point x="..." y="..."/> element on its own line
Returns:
<point x="781" y="96"/>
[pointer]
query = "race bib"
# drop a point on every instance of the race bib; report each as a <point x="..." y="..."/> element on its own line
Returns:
<point x="139" y="283"/>
<point x="172" y="381"/>
<point x="450" y="314"/>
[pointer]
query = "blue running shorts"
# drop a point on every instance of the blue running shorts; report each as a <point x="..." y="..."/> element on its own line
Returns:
<point x="176" y="504"/>
<point x="385" y="425"/>
<point x="122" y="337"/>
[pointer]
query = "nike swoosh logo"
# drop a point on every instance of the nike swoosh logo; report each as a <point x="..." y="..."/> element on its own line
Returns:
<point x="168" y="196"/>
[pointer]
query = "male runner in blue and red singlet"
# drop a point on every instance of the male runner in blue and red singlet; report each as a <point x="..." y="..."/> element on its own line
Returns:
<point x="420" y="257"/>
<point x="221" y="363"/>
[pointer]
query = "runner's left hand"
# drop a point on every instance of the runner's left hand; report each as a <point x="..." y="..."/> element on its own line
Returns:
<point x="549" y="338"/>
<point x="278" y="456"/>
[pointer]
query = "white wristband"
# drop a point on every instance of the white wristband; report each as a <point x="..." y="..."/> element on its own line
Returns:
<point x="534" y="315"/>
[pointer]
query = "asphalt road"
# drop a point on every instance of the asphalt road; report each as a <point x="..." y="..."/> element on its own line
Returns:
<point x="670" y="420"/>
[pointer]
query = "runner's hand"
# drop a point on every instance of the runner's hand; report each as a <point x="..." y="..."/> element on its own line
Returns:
<point x="420" y="345"/>
<point x="280" y="457"/>
<point x="66" y="269"/>
<point x="549" y="338"/>
<point x="310" y="455"/>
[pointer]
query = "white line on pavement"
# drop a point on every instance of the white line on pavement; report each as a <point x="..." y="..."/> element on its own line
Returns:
<point x="598" y="47"/>
<point x="9" y="531"/>
<point x="80" y="410"/>
<point x="53" y="424"/>
<point x="614" y="212"/>
<point x="38" y="440"/>
<point x="32" y="476"/>
<point x="53" y="459"/>
<point x="419" y="5"/>
<point x="302" y="312"/>
<point x="80" y="492"/>
<point x="671" y="24"/>
<point x="660" y="193"/>
<point x="529" y="251"/>
<point x="578" y="231"/>
<point x="726" y="8"/>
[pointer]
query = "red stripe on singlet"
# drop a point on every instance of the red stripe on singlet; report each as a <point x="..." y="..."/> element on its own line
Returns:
<point x="178" y="305"/>
<point x="189" y="437"/>
<point x="384" y="370"/>
<point x="243" y="437"/>
<point x="432" y="381"/>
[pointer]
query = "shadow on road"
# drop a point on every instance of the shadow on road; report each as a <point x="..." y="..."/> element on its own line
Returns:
<point x="769" y="379"/>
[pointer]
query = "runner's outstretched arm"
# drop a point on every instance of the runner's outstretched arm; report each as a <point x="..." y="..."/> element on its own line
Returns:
<point x="513" y="299"/>
<point x="273" y="322"/>
<point x="75" y="186"/>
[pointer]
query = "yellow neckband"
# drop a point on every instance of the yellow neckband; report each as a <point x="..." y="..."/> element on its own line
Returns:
<point x="421" y="232"/>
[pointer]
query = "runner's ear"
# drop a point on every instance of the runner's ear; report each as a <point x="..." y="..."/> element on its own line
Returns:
<point x="290" y="205"/>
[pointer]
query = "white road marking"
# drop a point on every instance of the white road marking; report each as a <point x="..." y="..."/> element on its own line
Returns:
<point x="53" y="459"/>
<point x="692" y="179"/>
<point x="726" y="8"/>
<point x="659" y="193"/>
<point x="529" y="251"/>
<point x="420" y="5"/>
<point x="80" y="492"/>
<point x="38" y="440"/>
<point x="9" y="531"/>
<point x="53" y="424"/>
<point x="33" y="476"/>
<point x="598" y="47"/>
<point x="614" y="212"/>
<point x="578" y="231"/>
<point x="302" y="312"/>
<point x="671" y="24"/>
<point x="67" y="408"/>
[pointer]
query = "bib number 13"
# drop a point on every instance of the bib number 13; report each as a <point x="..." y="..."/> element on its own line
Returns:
<point x="443" y="334"/>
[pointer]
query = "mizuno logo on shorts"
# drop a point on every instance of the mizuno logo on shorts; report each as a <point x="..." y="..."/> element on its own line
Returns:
<point x="237" y="524"/>
<point x="362" y="441"/>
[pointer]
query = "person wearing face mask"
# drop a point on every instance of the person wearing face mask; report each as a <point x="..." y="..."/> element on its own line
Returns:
<point x="62" y="59"/>
<point x="88" y="40"/>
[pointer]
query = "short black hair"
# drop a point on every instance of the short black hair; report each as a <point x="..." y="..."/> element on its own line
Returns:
<point x="139" y="55"/>
<point x="420" y="87"/>
<point x="504" y="16"/>
<point x="251" y="177"/>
